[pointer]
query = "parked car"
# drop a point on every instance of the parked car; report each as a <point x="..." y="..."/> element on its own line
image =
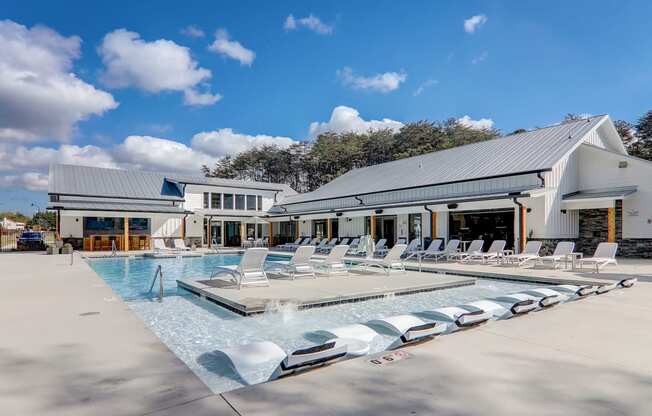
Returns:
<point x="31" y="240"/>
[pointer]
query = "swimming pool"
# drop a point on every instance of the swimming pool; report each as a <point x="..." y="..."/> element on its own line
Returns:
<point x="193" y="328"/>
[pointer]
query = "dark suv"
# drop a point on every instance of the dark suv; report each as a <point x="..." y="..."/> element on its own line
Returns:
<point x="31" y="240"/>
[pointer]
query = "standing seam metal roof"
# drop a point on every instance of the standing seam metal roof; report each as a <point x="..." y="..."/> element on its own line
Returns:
<point x="535" y="150"/>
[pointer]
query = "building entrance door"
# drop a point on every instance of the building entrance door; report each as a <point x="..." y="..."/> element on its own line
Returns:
<point x="483" y="225"/>
<point x="232" y="233"/>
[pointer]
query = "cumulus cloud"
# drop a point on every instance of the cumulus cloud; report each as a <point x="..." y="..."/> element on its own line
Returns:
<point x="196" y="98"/>
<point x="385" y="82"/>
<point x="346" y="119"/>
<point x="473" y="23"/>
<point x="192" y="31"/>
<point x="156" y="66"/>
<point x="153" y="153"/>
<point x="481" y="124"/>
<point x="426" y="84"/>
<point x="40" y="96"/>
<point x="310" y="22"/>
<point x="227" y="142"/>
<point x="231" y="48"/>
<point x="32" y="181"/>
<point x="480" y="58"/>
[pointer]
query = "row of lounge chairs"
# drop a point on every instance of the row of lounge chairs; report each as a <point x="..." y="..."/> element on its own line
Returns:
<point x="354" y="340"/>
<point x="178" y="245"/>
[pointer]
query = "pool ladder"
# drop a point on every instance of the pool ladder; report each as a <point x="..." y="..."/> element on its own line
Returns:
<point x="159" y="274"/>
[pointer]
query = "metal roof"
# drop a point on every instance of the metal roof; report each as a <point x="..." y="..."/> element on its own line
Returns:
<point x="232" y="183"/>
<point x="528" y="152"/>
<point x="114" y="206"/>
<point x="603" y="193"/>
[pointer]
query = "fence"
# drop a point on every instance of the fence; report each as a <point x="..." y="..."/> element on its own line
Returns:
<point x="9" y="239"/>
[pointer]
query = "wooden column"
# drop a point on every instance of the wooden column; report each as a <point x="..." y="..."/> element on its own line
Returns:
<point x="208" y="231"/>
<point x="269" y="235"/>
<point x="433" y="225"/>
<point x="126" y="238"/>
<point x="329" y="228"/>
<point x="522" y="229"/>
<point x="611" y="225"/>
<point x="57" y="228"/>
<point x="298" y="229"/>
<point x="373" y="227"/>
<point x="183" y="228"/>
<point x="242" y="232"/>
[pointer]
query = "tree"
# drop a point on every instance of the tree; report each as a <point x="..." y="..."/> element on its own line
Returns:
<point x="46" y="220"/>
<point x="643" y="146"/>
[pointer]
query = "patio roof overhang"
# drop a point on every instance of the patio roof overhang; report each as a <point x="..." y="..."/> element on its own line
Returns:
<point x="596" y="198"/>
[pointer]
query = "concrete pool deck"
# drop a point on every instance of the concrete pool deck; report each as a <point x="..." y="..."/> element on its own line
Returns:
<point x="70" y="346"/>
<point x="319" y="292"/>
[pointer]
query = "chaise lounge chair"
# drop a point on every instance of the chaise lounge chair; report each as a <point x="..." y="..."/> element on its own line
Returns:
<point x="392" y="261"/>
<point x="179" y="244"/>
<point x="159" y="246"/>
<point x="562" y="250"/>
<point x="299" y="265"/>
<point x="327" y="245"/>
<point x="296" y="243"/>
<point x="412" y="248"/>
<point x="381" y="248"/>
<point x="493" y="253"/>
<point x="474" y="248"/>
<point x="433" y="247"/>
<point x="334" y="262"/>
<point x="530" y="253"/>
<point x="250" y="271"/>
<point x="604" y="254"/>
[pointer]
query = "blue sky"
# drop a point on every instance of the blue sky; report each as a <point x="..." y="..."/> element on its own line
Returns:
<point x="515" y="64"/>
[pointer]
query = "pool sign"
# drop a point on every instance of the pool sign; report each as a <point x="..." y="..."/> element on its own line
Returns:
<point x="390" y="358"/>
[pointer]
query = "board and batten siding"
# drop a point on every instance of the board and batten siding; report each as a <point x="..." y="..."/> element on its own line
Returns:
<point x="562" y="179"/>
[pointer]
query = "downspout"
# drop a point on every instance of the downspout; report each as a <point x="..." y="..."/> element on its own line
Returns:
<point x="359" y="200"/>
<point x="521" y="232"/>
<point x="543" y="180"/>
<point x="432" y="237"/>
<point x="185" y="217"/>
<point x="275" y="195"/>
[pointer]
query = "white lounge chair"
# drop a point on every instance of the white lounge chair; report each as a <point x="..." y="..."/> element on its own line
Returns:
<point x="354" y="331"/>
<point x="433" y="247"/>
<point x="327" y="245"/>
<point x="530" y="253"/>
<point x="299" y="265"/>
<point x="461" y="317"/>
<point x="412" y="248"/>
<point x="334" y="262"/>
<point x="494" y="252"/>
<point x="311" y="357"/>
<point x="250" y="271"/>
<point x="409" y="328"/>
<point x="322" y="244"/>
<point x="392" y="261"/>
<point x="159" y="245"/>
<point x="255" y="362"/>
<point x="288" y="245"/>
<point x="576" y="291"/>
<point x="604" y="254"/>
<point x="518" y="302"/>
<point x="353" y="247"/>
<point x="502" y="309"/>
<point x="562" y="250"/>
<point x="179" y="244"/>
<point x="548" y="297"/>
<point x="381" y="248"/>
<point x="627" y="283"/>
<point x="474" y="247"/>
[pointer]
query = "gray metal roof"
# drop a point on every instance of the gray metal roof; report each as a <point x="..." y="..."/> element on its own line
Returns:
<point x="114" y="206"/>
<point x="233" y="183"/>
<point x="531" y="151"/>
<point x="612" y="193"/>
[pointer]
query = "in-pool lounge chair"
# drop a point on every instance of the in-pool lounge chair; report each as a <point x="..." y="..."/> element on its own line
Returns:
<point x="493" y="253"/>
<point x="409" y="328"/>
<point x="179" y="244"/>
<point x="334" y="262"/>
<point x="501" y="310"/>
<point x="547" y="297"/>
<point x="522" y="302"/>
<point x="474" y="248"/>
<point x="462" y="318"/>
<point x="604" y="254"/>
<point x="250" y="271"/>
<point x="392" y="261"/>
<point x="576" y="291"/>
<point x="530" y="253"/>
<point x="562" y="250"/>
<point x="299" y="265"/>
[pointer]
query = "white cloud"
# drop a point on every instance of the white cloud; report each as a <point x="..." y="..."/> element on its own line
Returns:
<point x="310" y="22"/>
<point x="426" y="84"/>
<point x="385" y="82"/>
<point x="156" y="66"/>
<point x="196" y="98"/>
<point x="153" y="153"/>
<point x="473" y="23"/>
<point x="40" y="96"/>
<point x="481" y="124"/>
<point x="346" y="119"/>
<point x="480" y="58"/>
<point x="192" y="31"/>
<point x="32" y="181"/>
<point x="227" y="142"/>
<point x="231" y="48"/>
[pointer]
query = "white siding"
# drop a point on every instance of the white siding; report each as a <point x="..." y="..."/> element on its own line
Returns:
<point x="164" y="226"/>
<point x="561" y="180"/>
<point x="72" y="226"/>
<point x="305" y="228"/>
<point x="600" y="170"/>
<point x="195" y="226"/>
<point x="351" y="227"/>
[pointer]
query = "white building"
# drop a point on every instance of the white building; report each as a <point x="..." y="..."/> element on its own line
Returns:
<point x="9" y="225"/>
<point x="94" y="204"/>
<point x="572" y="181"/>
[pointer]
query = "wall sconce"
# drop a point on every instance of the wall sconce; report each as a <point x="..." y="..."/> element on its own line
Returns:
<point x="528" y="210"/>
<point x="76" y="219"/>
<point x="622" y="164"/>
<point x="296" y="217"/>
<point x="563" y="211"/>
<point x="452" y="206"/>
<point x="378" y="211"/>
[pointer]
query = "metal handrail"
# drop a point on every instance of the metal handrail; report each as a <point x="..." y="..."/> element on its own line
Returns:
<point x="114" y="249"/>
<point x="159" y="274"/>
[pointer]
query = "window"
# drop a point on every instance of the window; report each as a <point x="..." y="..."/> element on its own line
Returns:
<point x="239" y="201"/>
<point x="228" y="201"/>
<point x="251" y="202"/>
<point x="139" y="226"/>
<point x="103" y="226"/>
<point x="414" y="226"/>
<point x="206" y="206"/>
<point x="216" y="201"/>
<point x="320" y="228"/>
<point x="260" y="202"/>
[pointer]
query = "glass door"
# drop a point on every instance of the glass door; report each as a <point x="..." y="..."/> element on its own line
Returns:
<point x="232" y="233"/>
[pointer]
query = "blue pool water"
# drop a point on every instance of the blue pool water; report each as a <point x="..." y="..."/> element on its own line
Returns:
<point x="193" y="328"/>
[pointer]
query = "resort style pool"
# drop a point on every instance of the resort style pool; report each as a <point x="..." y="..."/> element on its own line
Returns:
<point x="193" y="328"/>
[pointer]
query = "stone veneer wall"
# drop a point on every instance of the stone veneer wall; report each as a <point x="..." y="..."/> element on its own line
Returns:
<point x="548" y="244"/>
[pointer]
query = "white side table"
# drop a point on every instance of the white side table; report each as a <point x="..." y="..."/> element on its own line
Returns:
<point x="573" y="258"/>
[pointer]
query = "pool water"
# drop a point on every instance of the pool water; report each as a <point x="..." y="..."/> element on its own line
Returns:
<point x="194" y="328"/>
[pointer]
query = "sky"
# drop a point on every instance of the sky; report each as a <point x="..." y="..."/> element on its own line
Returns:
<point x="169" y="86"/>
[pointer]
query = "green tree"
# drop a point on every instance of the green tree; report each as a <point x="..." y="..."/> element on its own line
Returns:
<point x="46" y="220"/>
<point x="643" y="146"/>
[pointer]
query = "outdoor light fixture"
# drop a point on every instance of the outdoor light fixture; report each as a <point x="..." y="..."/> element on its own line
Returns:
<point x="296" y="217"/>
<point x="563" y="211"/>
<point x="452" y="206"/>
<point x="339" y="214"/>
<point x="622" y="164"/>
<point x="528" y="210"/>
<point x="379" y="211"/>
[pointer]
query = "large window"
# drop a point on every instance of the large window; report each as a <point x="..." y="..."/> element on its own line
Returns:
<point x="260" y="202"/>
<point x="239" y="201"/>
<point x="320" y="228"/>
<point x="206" y="200"/>
<point x="228" y="201"/>
<point x="216" y="200"/>
<point x="415" y="225"/>
<point x="103" y="226"/>
<point x="139" y="226"/>
<point x="251" y="202"/>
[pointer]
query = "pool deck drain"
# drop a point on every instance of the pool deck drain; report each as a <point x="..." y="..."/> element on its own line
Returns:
<point x="324" y="291"/>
